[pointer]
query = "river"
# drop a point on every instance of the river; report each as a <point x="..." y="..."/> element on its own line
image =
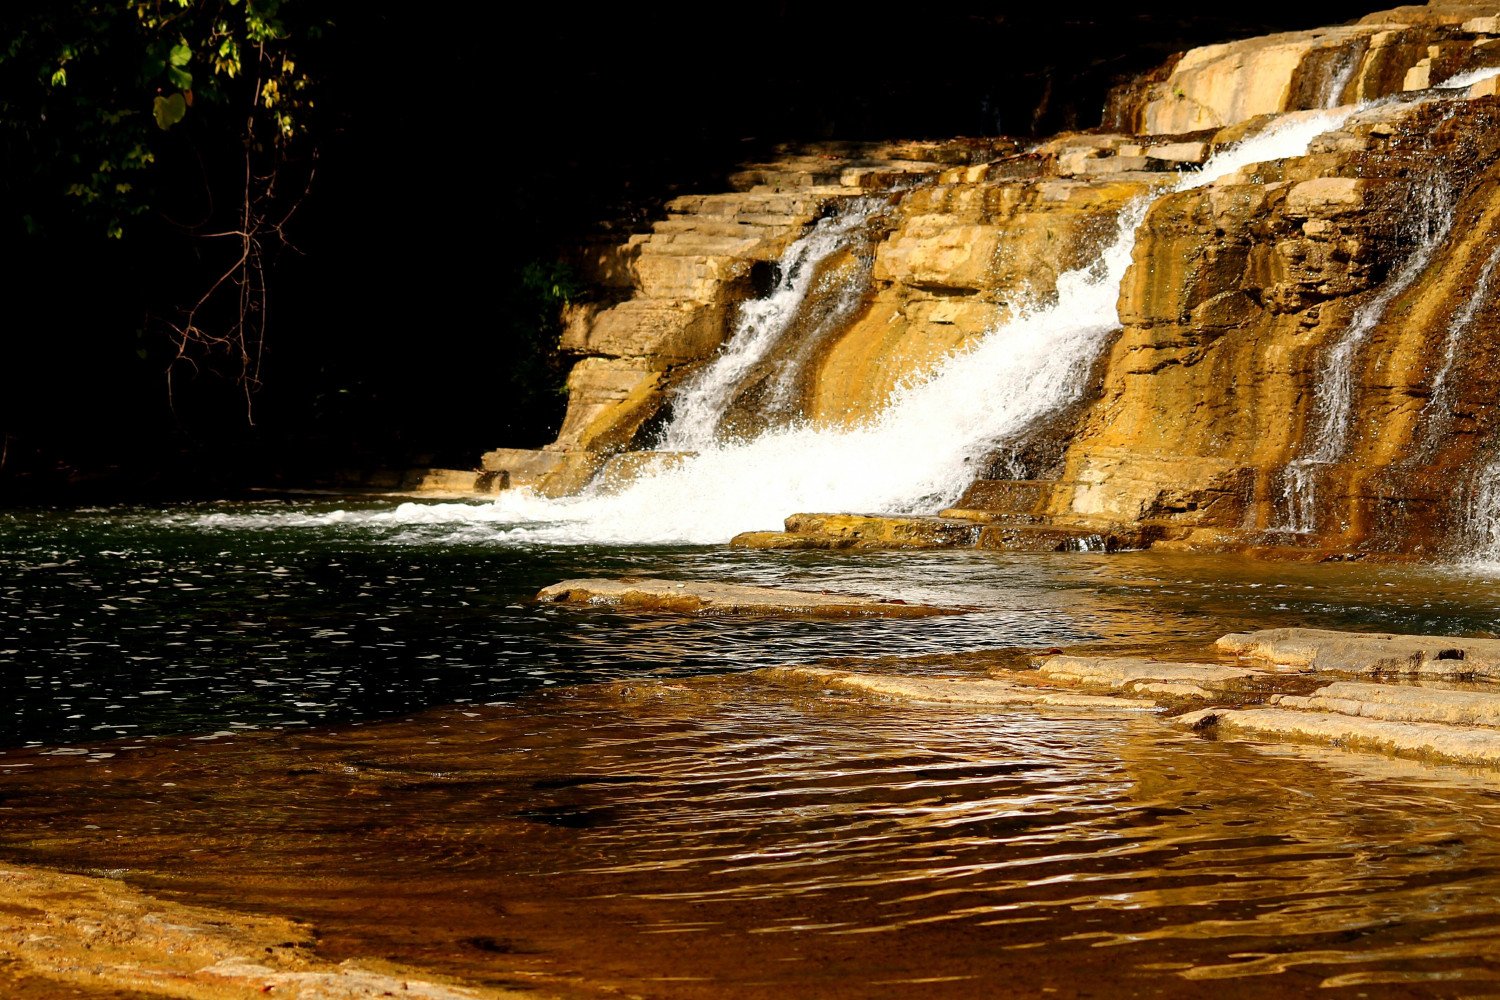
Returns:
<point x="365" y="723"/>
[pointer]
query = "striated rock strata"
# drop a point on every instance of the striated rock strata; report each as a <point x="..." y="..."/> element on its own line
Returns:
<point x="1304" y="361"/>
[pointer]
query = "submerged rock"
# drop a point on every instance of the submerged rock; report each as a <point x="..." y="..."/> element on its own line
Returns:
<point x="693" y="597"/>
<point x="980" y="692"/>
<point x="1151" y="677"/>
<point x="1327" y="651"/>
<point x="1420" y="740"/>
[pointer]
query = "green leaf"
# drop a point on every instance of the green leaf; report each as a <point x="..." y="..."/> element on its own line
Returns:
<point x="168" y="110"/>
<point x="180" y="77"/>
<point x="180" y="55"/>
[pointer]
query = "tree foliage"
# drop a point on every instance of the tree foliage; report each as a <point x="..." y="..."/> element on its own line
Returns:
<point x="194" y="117"/>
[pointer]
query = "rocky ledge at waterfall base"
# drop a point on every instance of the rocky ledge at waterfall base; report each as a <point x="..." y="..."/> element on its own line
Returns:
<point x="1428" y="698"/>
<point x="1300" y="365"/>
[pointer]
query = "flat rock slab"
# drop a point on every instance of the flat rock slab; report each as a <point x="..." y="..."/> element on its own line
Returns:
<point x="70" y="935"/>
<point x="1420" y="740"/>
<point x="979" y="692"/>
<point x="692" y="597"/>
<point x="1147" y="676"/>
<point x="863" y="531"/>
<point x="1326" y="651"/>
<point x="1402" y="703"/>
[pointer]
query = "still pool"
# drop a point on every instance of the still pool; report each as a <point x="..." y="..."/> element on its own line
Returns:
<point x="361" y="722"/>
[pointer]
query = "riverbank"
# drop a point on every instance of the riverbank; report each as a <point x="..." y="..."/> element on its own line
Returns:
<point x="64" y="935"/>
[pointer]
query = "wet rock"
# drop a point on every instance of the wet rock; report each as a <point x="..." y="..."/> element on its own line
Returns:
<point x="1420" y="740"/>
<point x="863" y="531"/>
<point x="1327" y="651"/>
<point x="69" y="935"/>
<point x="455" y="482"/>
<point x="1145" y="676"/>
<point x="690" y="597"/>
<point x="1400" y="703"/>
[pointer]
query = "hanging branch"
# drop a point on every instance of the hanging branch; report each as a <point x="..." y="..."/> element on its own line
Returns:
<point x="231" y="315"/>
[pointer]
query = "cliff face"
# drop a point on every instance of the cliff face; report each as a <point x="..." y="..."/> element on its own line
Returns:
<point x="1305" y="345"/>
<point x="1239" y="296"/>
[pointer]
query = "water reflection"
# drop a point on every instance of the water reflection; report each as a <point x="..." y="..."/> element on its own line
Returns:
<point x="749" y="842"/>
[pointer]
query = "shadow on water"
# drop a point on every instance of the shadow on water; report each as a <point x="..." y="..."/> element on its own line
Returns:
<point x="717" y="838"/>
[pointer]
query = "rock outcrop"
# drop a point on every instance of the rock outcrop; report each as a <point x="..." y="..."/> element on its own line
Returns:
<point x="1303" y="362"/>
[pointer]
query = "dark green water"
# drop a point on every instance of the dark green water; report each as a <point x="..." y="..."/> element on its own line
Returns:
<point x="126" y="622"/>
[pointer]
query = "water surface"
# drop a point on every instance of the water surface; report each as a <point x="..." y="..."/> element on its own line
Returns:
<point x="368" y="726"/>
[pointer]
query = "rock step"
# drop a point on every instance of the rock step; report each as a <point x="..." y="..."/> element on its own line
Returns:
<point x="882" y="531"/>
<point x="747" y="202"/>
<point x="863" y="531"/>
<point x="977" y="692"/>
<point x="1365" y="653"/>
<point x="718" y="226"/>
<point x="1138" y="675"/>
<point x="988" y="516"/>
<point x="456" y="481"/>
<point x="1400" y="703"/>
<point x="1057" y="538"/>
<point x="1020" y="496"/>
<point x="692" y="597"/>
<point x="702" y="244"/>
<point x="1420" y="740"/>
<point x="784" y="178"/>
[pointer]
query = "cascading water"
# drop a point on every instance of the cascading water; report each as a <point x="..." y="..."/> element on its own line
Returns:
<point x="1338" y="81"/>
<point x="916" y="455"/>
<point x="1334" y="397"/>
<point x="1333" y="401"/>
<point x="699" y="406"/>
<point x="1479" y="534"/>
<point x="1440" y="403"/>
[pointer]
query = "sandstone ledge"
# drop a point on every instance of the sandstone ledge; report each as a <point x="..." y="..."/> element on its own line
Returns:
<point x="1429" y="719"/>
<point x="1418" y="740"/>
<point x="868" y="532"/>
<point x="693" y="597"/>
<point x="1367" y="653"/>
<point x="71" y="935"/>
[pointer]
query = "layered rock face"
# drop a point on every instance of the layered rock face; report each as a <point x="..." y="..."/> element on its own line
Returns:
<point x="1305" y="346"/>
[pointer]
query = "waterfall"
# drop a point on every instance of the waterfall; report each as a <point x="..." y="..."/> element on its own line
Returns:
<point x="1333" y="87"/>
<point x="1440" y="403"/>
<point x="1478" y="541"/>
<point x="1333" y="399"/>
<point x="699" y="406"/>
<point x="1479" y="530"/>
<point x="918" y="453"/>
